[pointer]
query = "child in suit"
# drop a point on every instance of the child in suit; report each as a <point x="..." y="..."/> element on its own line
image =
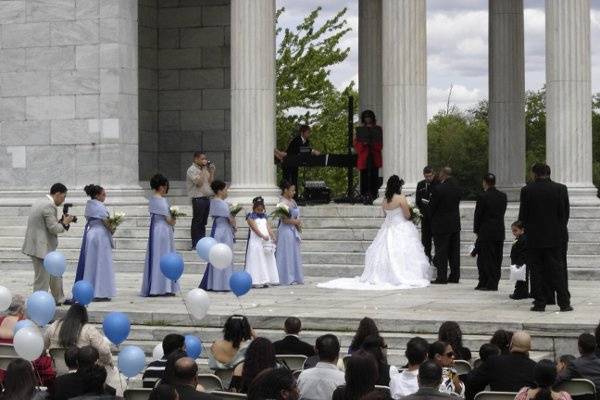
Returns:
<point x="518" y="257"/>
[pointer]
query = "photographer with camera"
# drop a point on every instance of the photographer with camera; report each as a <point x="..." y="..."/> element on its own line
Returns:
<point x="41" y="237"/>
<point x="199" y="177"/>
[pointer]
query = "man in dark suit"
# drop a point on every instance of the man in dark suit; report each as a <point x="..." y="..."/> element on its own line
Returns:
<point x="73" y="384"/>
<point x="488" y="225"/>
<point x="186" y="380"/>
<point x="542" y="211"/>
<point x="423" y="197"/>
<point x="298" y="145"/>
<point x="445" y="226"/>
<point x="506" y="372"/>
<point x="291" y="343"/>
<point x="587" y="366"/>
<point x="430" y="378"/>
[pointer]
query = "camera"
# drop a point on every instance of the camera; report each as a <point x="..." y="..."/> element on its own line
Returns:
<point x="66" y="207"/>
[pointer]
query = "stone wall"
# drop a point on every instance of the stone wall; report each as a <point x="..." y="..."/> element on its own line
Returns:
<point x="187" y="106"/>
<point x="68" y="93"/>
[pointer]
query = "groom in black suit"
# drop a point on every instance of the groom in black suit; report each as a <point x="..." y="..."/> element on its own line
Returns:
<point x="445" y="226"/>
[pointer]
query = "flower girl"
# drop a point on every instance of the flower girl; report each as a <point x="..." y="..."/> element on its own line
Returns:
<point x="260" y="250"/>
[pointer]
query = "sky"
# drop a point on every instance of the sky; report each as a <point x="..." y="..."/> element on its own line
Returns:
<point x="457" y="46"/>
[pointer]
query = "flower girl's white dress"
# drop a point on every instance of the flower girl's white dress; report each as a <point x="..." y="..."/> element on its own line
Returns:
<point x="395" y="259"/>
<point x="260" y="258"/>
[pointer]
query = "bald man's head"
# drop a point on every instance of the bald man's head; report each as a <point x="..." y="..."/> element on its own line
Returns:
<point x="186" y="370"/>
<point x="521" y="342"/>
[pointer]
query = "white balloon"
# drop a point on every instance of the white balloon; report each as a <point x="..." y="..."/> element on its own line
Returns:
<point x="158" y="352"/>
<point x="29" y="343"/>
<point x="197" y="302"/>
<point x="5" y="298"/>
<point x="220" y="256"/>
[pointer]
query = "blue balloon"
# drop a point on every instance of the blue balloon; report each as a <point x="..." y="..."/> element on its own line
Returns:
<point x="55" y="263"/>
<point x="24" y="323"/>
<point x="203" y="247"/>
<point x="83" y="292"/>
<point x="116" y="327"/>
<point x="193" y="346"/>
<point x="131" y="361"/>
<point x="240" y="283"/>
<point x="41" y="307"/>
<point x="171" y="266"/>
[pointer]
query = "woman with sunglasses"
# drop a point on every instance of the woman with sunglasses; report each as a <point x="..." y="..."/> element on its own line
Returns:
<point x="443" y="355"/>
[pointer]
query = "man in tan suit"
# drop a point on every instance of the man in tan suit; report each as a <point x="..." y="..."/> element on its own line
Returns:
<point x="43" y="226"/>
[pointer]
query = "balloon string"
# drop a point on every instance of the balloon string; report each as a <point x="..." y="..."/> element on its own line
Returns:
<point x="186" y="307"/>
<point x="240" y="303"/>
<point x="37" y="373"/>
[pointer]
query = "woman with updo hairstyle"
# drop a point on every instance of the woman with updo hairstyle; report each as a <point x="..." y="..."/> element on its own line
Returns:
<point x="160" y="241"/>
<point x="95" y="263"/>
<point x="288" y="255"/>
<point x="545" y="375"/>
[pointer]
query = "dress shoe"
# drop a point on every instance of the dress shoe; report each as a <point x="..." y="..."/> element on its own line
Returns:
<point x="537" y="309"/>
<point x="438" y="282"/>
<point x="100" y="299"/>
<point x="487" y="289"/>
<point x="517" y="297"/>
<point x="452" y="281"/>
<point x="479" y="287"/>
<point x="566" y="309"/>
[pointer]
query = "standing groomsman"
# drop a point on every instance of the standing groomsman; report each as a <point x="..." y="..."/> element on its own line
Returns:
<point x="488" y="225"/>
<point x="445" y="226"/>
<point x="423" y="198"/>
<point x="542" y="211"/>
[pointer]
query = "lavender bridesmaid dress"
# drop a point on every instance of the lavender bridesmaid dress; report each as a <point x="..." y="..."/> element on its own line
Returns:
<point x="287" y="254"/>
<point x="218" y="279"/>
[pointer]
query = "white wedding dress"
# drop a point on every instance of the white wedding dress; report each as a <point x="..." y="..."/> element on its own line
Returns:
<point x="395" y="260"/>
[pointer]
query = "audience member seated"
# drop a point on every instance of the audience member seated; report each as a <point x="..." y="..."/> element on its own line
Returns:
<point x="366" y="327"/>
<point x="318" y="383"/>
<point x="260" y="355"/>
<point x="545" y="375"/>
<point x="74" y="330"/>
<point x="361" y="375"/>
<point x="375" y="345"/>
<point x="587" y="366"/>
<point x="406" y="382"/>
<point x="20" y="382"/>
<point x="451" y="333"/>
<point x="274" y="384"/>
<point x="564" y="361"/>
<point x="66" y="382"/>
<point x="430" y="378"/>
<point x="94" y="380"/>
<point x="74" y="384"/>
<point x="169" y="374"/>
<point x="164" y="392"/>
<point x="229" y="351"/>
<point x="488" y="350"/>
<point x="502" y="339"/>
<point x="156" y="369"/>
<point x="506" y="372"/>
<point x="443" y="355"/>
<point x="291" y="343"/>
<point x="186" y="380"/>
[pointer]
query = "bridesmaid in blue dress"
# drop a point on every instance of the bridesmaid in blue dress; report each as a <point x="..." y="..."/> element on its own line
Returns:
<point x="160" y="241"/>
<point x="287" y="254"/>
<point x="223" y="229"/>
<point x="95" y="263"/>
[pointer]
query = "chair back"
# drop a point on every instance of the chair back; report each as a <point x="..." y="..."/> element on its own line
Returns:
<point x="345" y="360"/>
<point x="293" y="362"/>
<point x="495" y="396"/>
<point x="296" y="374"/>
<point x="137" y="394"/>
<point x="5" y="360"/>
<point x="385" y="390"/>
<point x="224" y="375"/>
<point x="228" y="395"/>
<point x="210" y="382"/>
<point x="58" y="361"/>
<point x="462" y="367"/>
<point x="7" y="350"/>
<point x="577" y="387"/>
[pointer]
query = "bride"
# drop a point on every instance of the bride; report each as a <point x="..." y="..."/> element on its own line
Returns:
<point x="395" y="259"/>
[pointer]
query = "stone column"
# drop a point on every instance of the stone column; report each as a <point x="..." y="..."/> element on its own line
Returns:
<point x="253" y="99"/>
<point x="404" y="119"/>
<point x="369" y="55"/>
<point x="568" y="97"/>
<point x="507" y="95"/>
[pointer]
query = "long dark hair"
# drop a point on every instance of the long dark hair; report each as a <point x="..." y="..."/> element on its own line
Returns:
<point x="374" y="345"/>
<point x="450" y="333"/>
<point x="502" y="339"/>
<point x="71" y="325"/>
<point x="393" y="186"/>
<point x="270" y="383"/>
<point x="260" y="355"/>
<point x="366" y="327"/>
<point x="20" y="381"/>
<point x="365" y="114"/>
<point x="236" y="330"/>
<point x="361" y="375"/>
<point x="545" y="375"/>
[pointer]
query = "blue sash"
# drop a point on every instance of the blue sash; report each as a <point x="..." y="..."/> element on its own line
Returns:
<point x="150" y="251"/>
<point x="204" y="281"/>
<point x="81" y="262"/>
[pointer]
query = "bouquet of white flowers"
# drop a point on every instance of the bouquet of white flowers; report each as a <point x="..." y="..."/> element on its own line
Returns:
<point x="115" y="220"/>
<point x="175" y="213"/>
<point x="415" y="214"/>
<point x="283" y="211"/>
<point x="234" y="209"/>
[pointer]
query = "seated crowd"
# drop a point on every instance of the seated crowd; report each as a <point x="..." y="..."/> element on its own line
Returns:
<point x="253" y="367"/>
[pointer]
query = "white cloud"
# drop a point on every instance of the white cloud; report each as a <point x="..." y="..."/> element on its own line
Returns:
<point x="461" y="97"/>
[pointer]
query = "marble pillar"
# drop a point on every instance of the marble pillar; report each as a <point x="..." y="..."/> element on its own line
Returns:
<point x="507" y="95"/>
<point x="253" y="100"/>
<point x="568" y="97"/>
<point x="369" y="55"/>
<point x="404" y="67"/>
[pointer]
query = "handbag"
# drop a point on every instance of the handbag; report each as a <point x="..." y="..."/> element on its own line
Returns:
<point x="518" y="273"/>
<point x="269" y="247"/>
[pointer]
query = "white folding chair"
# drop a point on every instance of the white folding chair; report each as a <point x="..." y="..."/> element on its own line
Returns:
<point x="294" y="362"/>
<point x="137" y="394"/>
<point x="495" y="396"/>
<point x="210" y="382"/>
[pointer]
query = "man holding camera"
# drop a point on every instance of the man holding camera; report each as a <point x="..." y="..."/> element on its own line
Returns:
<point x="41" y="238"/>
<point x="199" y="177"/>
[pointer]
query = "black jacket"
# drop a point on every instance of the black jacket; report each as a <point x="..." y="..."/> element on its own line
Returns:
<point x="292" y="345"/>
<point x="423" y="192"/>
<point x="564" y="194"/>
<point x="187" y="392"/>
<point x="518" y="251"/>
<point x="544" y="213"/>
<point x="586" y="367"/>
<point x="504" y="373"/>
<point x="428" y="394"/>
<point x="67" y="386"/>
<point x="488" y="221"/>
<point x="445" y="214"/>
<point x="295" y="145"/>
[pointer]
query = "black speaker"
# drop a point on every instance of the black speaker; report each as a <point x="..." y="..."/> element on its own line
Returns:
<point x="316" y="192"/>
